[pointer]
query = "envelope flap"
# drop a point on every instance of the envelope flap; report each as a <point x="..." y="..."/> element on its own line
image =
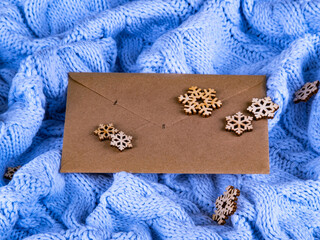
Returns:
<point x="153" y="97"/>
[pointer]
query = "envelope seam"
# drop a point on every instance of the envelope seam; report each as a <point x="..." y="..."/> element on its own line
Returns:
<point x="241" y="92"/>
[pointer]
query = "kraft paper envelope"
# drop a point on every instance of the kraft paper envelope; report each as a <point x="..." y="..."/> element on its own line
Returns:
<point x="165" y="139"/>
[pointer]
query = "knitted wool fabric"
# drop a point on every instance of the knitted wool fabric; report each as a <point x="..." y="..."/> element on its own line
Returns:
<point x="42" y="40"/>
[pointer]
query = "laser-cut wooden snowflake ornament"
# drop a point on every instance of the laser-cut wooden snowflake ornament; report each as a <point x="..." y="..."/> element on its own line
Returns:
<point x="105" y="131"/>
<point x="239" y="123"/>
<point x="306" y="92"/>
<point x="11" y="171"/>
<point x="121" y="141"/>
<point x="263" y="108"/>
<point x="201" y="101"/>
<point x="226" y="205"/>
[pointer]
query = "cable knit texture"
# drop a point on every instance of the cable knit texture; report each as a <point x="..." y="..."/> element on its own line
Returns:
<point x="42" y="40"/>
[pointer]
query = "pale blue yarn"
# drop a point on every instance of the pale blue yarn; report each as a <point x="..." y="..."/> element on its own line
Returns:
<point x="42" y="40"/>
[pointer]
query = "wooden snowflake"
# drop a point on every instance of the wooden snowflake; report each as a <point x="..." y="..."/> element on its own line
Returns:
<point x="11" y="171"/>
<point x="239" y="123"/>
<point x="200" y="101"/>
<point x="263" y="108"/>
<point x="105" y="131"/>
<point x="226" y="205"/>
<point x="121" y="141"/>
<point x="306" y="92"/>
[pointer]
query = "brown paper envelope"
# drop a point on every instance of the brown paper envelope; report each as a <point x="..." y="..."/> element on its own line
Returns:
<point x="165" y="139"/>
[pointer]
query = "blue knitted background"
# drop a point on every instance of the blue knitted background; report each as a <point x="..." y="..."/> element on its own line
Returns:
<point x="42" y="40"/>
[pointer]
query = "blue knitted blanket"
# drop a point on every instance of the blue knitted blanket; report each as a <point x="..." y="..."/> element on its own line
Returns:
<point x="42" y="40"/>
